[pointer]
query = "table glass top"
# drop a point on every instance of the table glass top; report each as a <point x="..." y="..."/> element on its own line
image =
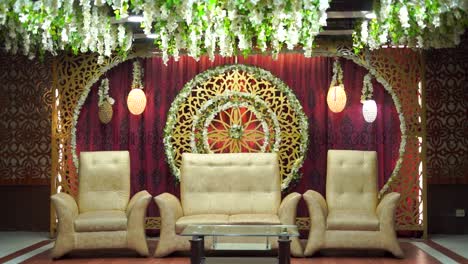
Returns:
<point x="241" y="230"/>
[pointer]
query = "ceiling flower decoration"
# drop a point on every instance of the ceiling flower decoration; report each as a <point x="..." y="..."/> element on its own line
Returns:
<point x="414" y="23"/>
<point x="196" y="26"/>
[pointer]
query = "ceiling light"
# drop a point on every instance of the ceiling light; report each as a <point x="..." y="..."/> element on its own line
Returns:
<point x="136" y="19"/>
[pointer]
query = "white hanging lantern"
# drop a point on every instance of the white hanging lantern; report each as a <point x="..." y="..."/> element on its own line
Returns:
<point x="369" y="107"/>
<point x="336" y="96"/>
<point x="369" y="110"/>
<point x="136" y="100"/>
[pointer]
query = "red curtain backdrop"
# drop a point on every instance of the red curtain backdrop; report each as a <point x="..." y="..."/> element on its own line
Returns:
<point x="309" y="78"/>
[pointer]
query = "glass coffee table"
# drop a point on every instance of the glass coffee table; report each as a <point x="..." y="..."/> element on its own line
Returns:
<point x="199" y="232"/>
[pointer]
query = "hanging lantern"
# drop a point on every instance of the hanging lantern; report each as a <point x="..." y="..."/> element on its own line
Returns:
<point x="136" y="100"/>
<point x="105" y="112"/>
<point x="105" y="102"/>
<point x="336" y="96"/>
<point x="369" y="110"/>
<point x="369" y="107"/>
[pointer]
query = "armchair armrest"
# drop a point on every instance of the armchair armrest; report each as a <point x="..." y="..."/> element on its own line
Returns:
<point x="386" y="214"/>
<point x="66" y="209"/>
<point x="318" y="212"/>
<point x="386" y="209"/>
<point x="288" y="208"/>
<point x="136" y="211"/>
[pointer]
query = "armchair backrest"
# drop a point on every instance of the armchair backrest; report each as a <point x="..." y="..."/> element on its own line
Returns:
<point x="351" y="180"/>
<point x="104" y="180"/>
<point x="233" y="183"/>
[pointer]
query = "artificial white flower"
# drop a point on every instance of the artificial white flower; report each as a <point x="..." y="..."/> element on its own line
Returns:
<point x="404" y="17"/>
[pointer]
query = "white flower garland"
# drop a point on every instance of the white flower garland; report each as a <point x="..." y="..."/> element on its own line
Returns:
<point x="103" y="93"/>
<point x="195" y="26"/>
<point x="337" y="78"/>
<point x="367" y="88"/>
<point x="348" y="54"/>
<point x="414" y="23"/>
<point x="137" y="75"/>
<point x="222" y="103"/>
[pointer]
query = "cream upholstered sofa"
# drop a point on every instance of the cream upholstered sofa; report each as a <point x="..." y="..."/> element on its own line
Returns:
<point x="103" y="216"/>
<point x="351" y="217"/>
<point x="238" y="188"/>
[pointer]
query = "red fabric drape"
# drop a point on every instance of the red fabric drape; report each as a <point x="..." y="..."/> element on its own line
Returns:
<point x="309" y="78"/>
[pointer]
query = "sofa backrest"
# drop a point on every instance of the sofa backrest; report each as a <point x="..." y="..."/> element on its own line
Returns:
<point x="351" y="180"/>
<point x="104" y="181"/>
<point x="233" y="183"/>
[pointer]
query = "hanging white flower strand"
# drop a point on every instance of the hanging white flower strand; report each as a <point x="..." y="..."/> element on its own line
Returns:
<point x="369" y="107"/>
<point x="137" y="75"/>
<point x="103" y="93"/>
<point x="367" y="88"/>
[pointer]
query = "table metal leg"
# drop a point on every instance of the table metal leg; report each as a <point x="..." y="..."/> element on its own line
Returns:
<point x="284" y="250"/>
<point x="197" y="250"/>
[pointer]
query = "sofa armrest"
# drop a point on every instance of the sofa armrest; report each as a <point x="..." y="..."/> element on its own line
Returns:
<point x="386" y="209"/>
<point x="318" y="212"/>
<point x="66" y="209"/>
<point x="170" y="210"/>
<point x="136" y="211"/>
<point x="288" y="208"/>
<point x="287" y="214"/>
<point x="134" y="206"/>
<point x="316" y="205"/>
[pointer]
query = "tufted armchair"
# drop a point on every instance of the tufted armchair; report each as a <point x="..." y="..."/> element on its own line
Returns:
<point x="234" y="188"/>
<point x="102" y="216"/>
<point x="351" y="217"/>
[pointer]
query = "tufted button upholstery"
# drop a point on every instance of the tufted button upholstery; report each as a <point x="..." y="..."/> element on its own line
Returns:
<point x="351" y="180"/>
<point x="230" y="183"/>
<point x="104" y="178"/>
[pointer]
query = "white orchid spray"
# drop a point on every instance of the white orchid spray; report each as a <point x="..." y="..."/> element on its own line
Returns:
<point x="195" y="27"/>
<point x="415" y="24"/>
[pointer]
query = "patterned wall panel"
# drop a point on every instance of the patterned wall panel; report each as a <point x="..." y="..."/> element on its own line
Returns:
<point x="25" y="120"/>
<point x="447" y="114"/>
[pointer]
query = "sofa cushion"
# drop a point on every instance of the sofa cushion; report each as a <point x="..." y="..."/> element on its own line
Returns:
<point x="254" y="219"/>
<point x="352" y="220"/>
<point x="95" y="221"/>
<point x="208" y="219"/>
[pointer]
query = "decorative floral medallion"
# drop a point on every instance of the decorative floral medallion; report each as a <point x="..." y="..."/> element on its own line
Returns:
<point x="237" y="108"/>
